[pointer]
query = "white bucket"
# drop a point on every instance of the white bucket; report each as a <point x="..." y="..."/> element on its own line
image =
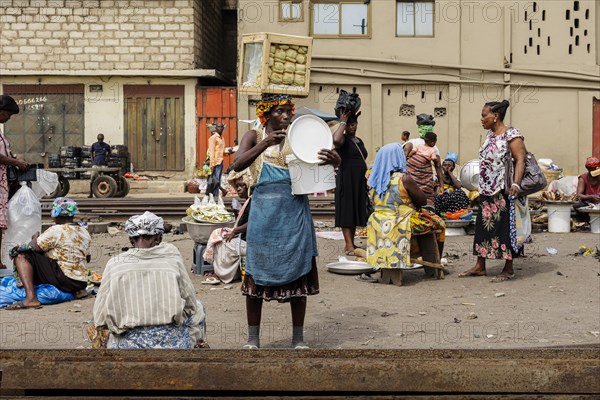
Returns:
<point x="310" y="178"/>
<point x="559" y="218"/>
<point x="595" y="221"/>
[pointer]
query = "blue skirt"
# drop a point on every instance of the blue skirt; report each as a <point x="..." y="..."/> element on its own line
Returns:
<point x="281" y="240"/>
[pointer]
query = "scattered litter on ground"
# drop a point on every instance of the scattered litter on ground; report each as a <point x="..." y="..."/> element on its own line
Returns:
<point x="387" y="314"/>
<point x="551" y="250"/>
<point x="468" y="304"/>
<point x="422" y="313"/>
<point x="499" y="294"/>
<point x="472" y="315"/>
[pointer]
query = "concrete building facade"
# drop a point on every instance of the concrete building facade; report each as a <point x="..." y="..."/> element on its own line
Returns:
<point x="128" y="69"/>
<point x="447" y="58"/>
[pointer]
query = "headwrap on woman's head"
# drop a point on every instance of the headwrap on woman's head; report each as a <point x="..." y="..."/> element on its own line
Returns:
<point x="390" y="158"/>
<point x="145" y="224"/>
<point x="63" y="207"/>
<point x="592" y="162"/>
<point x="269" y="101"/>
<point x="424" y="130"/>
<point x="425" y="124"/>
<point x="7" y="103"/>
<point x="245" y="175"/>
<point x="452" y="156"/>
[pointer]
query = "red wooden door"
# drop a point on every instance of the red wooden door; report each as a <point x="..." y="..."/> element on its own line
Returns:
<point x="596" y="130"/>
<point x="215" y="104"/>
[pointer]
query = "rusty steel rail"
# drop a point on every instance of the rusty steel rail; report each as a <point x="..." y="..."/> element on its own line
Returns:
<point x="123" y="208"/>
<point x="517" y="373"/>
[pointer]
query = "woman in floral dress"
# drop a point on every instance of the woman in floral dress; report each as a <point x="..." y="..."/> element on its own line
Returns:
<point x="496" y="226"/>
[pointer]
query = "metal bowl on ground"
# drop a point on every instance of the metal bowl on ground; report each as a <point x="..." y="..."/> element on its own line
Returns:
<point x="456" y="227"/>
<point x="349" y="267"/>
<point x="200" y="231"/>
<point x="469" y="175"/>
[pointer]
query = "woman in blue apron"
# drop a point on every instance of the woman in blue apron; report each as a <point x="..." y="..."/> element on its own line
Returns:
<point x="281" y="241"/>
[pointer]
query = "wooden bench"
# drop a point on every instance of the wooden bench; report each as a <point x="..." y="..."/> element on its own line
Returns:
<point x="424" y="246"/>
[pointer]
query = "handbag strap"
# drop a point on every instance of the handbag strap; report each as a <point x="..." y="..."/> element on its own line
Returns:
<point x="242" y="212"/>
<point x="361" y="153"/>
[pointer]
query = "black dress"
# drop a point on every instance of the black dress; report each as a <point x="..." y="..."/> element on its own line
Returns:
<point x="351" y="185"/>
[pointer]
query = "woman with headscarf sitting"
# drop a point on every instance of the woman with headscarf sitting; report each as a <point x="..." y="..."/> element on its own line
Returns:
<point x="396" y="198"/>
<point x="147" y="299"/>
<point x="57" y="257"/>
<point x="588" y="187"/>
<point x="453" y="198"/>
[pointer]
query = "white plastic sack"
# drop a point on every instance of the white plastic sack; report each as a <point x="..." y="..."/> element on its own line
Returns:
<point x="46" y="183"/>
<point x="566" y="185"/>
<point x="24" y="220"/>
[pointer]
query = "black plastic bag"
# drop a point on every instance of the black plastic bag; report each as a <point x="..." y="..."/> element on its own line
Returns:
<point x="425" y="119"/>
<point x="347" y="101"/>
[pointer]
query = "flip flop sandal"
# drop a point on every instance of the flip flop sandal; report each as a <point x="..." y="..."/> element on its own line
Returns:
<point x="249" y="347"/>
<point x="502" y="278"/>
<point x="20" y="305"/>
<point x="367" y="278"/>
<point x="301" y="347"/>
<point x="350" y="253"/>
<point x="211" y="281"/>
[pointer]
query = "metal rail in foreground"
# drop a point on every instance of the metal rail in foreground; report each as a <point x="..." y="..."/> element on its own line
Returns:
<point x="519" y="373"/>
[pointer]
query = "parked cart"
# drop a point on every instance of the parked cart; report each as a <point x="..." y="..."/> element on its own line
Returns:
<point x="108" y="183"/>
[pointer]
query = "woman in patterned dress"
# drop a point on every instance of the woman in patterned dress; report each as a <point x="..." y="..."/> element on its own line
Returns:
<point x="8" y="108"/>
<point x="396" y="198"/>
<point x="496" y="225"/>
<point x="57" y="257"/>
<point x="281" y="241"/>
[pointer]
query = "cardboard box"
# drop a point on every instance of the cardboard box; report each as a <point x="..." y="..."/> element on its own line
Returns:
<point x="275" y="63"/>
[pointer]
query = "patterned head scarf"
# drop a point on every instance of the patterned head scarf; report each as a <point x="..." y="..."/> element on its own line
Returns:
<point x="269" y="101"/>
<point x="245" y="175"/>
<point x="592" y="163"/>
<point x="145" y="224"/>
<point x="63" y="207"/>
<point x="390" y="158"/>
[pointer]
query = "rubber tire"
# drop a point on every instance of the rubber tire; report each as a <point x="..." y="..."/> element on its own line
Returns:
<point x="104" y="186"/>
<point x="125" y="187"/>
<point x="62" y="189"/>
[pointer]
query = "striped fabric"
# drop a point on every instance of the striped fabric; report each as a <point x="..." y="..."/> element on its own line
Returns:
<point x="420" y="169"/>
<point x="147" y="287"/>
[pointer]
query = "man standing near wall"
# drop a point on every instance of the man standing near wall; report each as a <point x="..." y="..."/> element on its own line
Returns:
<point x="216" y="148"/>
<point x="99" y="153"/>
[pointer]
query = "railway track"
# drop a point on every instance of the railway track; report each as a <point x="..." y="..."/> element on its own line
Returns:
<point x="117" y="209"/>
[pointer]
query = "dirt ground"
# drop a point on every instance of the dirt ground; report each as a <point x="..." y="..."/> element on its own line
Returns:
<point x="554" y="300"/>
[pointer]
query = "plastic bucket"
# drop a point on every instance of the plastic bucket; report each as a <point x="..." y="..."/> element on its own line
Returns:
<point x="559" y="218"/>
<point x="595" y="221"/>
<point x="310" y="178"/>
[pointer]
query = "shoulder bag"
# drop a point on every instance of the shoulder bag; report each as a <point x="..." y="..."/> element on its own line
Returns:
<point x="533" y="179"/>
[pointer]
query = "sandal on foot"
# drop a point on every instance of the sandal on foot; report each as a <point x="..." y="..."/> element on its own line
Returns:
<point x="301" y="346"/>
<point x="20" y="305"/>
<point x="249" y="346"/>
<point x="502" y="278"/>
<point x="367" y="278"/>
<point x="211" y="281"/>
<point x="349" y="253"/>
<point x="468" y="274"/>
